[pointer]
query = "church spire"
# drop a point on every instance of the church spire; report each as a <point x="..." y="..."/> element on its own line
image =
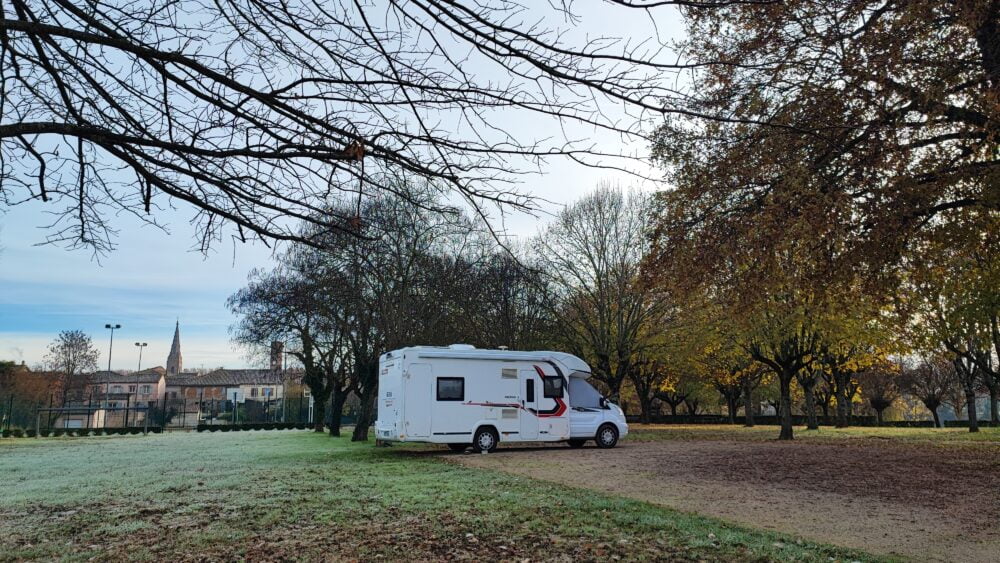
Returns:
<point x="174" y="361"/>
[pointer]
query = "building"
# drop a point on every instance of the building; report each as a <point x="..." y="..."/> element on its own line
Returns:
<point x="227" y="384"/>
<point x="184" y="399"/>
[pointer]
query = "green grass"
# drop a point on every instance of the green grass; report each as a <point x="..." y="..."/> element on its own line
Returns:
<point x="939" y="436"/>
<point x="283" y="494"/>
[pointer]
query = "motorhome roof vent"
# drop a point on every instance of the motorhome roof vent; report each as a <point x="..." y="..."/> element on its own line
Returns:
<point x="462" y="347"/>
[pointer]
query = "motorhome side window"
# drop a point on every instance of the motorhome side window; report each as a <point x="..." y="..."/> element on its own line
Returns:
<point x="451" y="388"/>
<point x="552" y="387"/>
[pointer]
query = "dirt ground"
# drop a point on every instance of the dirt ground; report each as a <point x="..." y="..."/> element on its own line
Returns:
<point x="927" y="501"/>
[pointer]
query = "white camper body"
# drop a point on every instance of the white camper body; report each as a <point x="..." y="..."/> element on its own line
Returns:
<point x="463" y="396"/>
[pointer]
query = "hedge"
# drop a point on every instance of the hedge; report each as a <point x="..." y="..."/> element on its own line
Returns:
<point x="250" y="426"/>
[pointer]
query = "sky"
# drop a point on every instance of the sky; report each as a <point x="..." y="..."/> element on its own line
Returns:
<point x="154" y="279"/>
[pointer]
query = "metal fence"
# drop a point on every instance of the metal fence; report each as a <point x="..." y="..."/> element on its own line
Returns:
<point x="162" y="414"/>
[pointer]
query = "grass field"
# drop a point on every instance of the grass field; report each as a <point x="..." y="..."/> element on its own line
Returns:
<point x="288" y="494"/>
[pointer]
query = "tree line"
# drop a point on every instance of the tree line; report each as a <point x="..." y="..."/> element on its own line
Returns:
<point x="835" y="202"/>
<point x="590" y="283"/>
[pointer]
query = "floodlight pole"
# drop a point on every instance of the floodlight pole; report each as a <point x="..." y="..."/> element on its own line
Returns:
<point x="111" y="344"/>
<point x="140" y="346"/>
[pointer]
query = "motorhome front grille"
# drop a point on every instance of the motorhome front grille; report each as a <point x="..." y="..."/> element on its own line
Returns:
<point x="509" y="373"/>
<point x="509" y="413"/>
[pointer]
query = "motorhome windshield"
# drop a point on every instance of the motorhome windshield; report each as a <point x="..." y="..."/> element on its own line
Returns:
<point x="583" y="394"/>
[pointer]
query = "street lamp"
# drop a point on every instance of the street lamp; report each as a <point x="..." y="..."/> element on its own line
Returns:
<point x="141" y="346"/>
<point x="112" y="343"/>
<point x="107" y="383"/>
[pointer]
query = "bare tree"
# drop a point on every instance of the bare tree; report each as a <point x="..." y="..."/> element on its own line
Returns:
<point x="507" y="303"/>
<point x="255" y="112"/>
<point x="880" y="387"/>
<point x="73" y="356"/>
<point x="592" y="254"/>
<point x="930" y="380"/>
<point x="288" y="305"/>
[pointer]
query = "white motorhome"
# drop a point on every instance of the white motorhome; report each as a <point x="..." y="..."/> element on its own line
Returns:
<point x="463" y="396"/>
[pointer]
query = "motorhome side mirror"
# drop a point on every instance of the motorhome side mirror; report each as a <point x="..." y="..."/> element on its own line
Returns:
<point x="604" y="403"/>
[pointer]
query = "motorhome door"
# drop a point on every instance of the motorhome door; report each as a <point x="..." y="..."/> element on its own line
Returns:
<point x="531" y="390"/>
<point x="417" y="406"/>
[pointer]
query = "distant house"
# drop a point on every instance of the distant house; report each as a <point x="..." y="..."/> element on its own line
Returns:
<point x="113" y="399"/>
<point x="142" y="387"/>
<point x="228" y="385"/>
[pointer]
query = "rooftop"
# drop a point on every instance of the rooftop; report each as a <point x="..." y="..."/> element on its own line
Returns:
<point x="226" y="377"/>
<point x="151" y="375"/>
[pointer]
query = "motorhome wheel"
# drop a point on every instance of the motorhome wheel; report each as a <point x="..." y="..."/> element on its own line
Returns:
<point x="485" y="440"/>
<point x="607" y="436"/>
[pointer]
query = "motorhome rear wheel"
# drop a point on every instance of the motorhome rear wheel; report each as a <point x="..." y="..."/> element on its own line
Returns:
<point x="486" y="440"/>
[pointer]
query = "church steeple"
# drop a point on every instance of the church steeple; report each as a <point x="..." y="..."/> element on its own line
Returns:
<point x="174" y="361"/>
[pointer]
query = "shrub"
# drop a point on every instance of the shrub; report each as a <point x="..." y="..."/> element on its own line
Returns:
<point x="226" y="428"/>
<point x="44" y="433"/>
<point x="58" y="432"/>
<point x="30" y="434"/>
<point x="134" y="431"/>
<point x="5" y="434"/>
<point x="18" y="433"/>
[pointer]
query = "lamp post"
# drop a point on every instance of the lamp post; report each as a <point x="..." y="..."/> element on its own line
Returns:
<point x="140" y="346"/>
<point x="111" y="344"/>
<point x="137" y="370"/>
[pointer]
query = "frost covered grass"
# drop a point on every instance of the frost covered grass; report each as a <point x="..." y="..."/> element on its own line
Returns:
<point x="279" y="495"/>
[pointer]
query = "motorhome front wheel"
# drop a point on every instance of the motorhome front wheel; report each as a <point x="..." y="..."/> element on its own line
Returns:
<point x="607" y="436"/>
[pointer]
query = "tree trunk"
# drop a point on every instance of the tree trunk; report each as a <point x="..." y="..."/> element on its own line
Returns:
<point x="937" y="419"/>
<point x="366" y="412"/>
<point x="970" y="406"/>
<point x="994" y="407"/>
<point x="785" y="405"/>
<point x="842" y="402"/>
<point x="673" y="410"/>
<point x="645" y="409"/>
<point x="811" y="422"/>
<point x="878" y="417"/>
<point x="731" y="404"/>
<point x="747" y="403"/>
<point x="337" y="410"/>
<point x="319" y="412"/>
